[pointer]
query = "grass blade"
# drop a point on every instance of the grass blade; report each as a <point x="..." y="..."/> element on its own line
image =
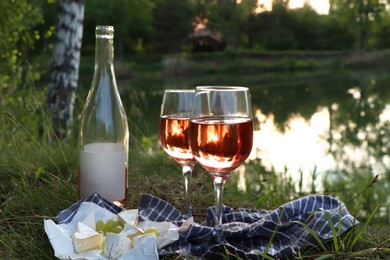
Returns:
<point x="314" y="235"/>
<point x="358" y="235"/>
<point x="334" y="235"/>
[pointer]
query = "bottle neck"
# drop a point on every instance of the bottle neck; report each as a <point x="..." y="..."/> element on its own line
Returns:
<point x="104" y="51"/>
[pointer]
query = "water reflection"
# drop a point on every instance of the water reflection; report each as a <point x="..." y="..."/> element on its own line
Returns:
<point x="302" y="147"/>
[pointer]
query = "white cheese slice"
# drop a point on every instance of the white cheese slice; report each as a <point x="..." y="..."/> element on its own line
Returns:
<point x="146" y="251"/>
<point x="87" y="241"/>
<point x="90" y="220"/>
<point x="115" y="245"/>
<point x="84" y="229"/>
<point x="131" y="231"/>
<point x="86" y="238"/>
<point x="129" y="217"/>
<point x="139" y="240"/>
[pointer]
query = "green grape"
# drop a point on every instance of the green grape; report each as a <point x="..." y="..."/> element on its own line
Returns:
<point x="109" y="225"/>
<point x="100" y="225"/>
<point x="112" y="224"/>
<point x="116" y="229"/>
<point x="121" y="224"/>
<point x="152" y="230"/>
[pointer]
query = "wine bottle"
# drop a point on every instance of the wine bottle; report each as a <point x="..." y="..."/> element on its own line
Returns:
<point x="104" y="134"/>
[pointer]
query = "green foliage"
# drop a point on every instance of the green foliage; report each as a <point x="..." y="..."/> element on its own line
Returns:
<point x="308" y="28"/>
<point x="164" y="25"/>
<point x="132" y="21"/>
<point x="300" y="29"/>
<point x="32" y="172"/>
<point x="280" y="39"/>
<point x="172" y="25"/>
<point x="335" y="35"/>
<point x="359" y="15"/>
<point x="364" y="186"/>
<point x="381" y="33"/>
<point x="17" y="21"/>
<point x="229" y="18"/>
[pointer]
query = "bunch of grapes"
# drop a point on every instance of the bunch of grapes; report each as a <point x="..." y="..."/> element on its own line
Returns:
<point x="112" y="226"/>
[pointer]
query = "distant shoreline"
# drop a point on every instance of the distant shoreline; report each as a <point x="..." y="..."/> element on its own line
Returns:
<point x="254" y="62"/>
<point x="244" y="62"/>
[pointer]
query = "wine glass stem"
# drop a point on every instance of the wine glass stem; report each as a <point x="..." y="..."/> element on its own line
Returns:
<point x="218" y="188"/>
<point x="187" y="173"/>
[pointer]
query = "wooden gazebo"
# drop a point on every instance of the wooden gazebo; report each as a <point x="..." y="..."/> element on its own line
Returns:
<point x="206" y="40"/>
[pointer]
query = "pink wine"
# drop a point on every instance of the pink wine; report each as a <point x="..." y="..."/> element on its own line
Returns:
<point x="221" y="145"/>
<point x="174" y="138"/>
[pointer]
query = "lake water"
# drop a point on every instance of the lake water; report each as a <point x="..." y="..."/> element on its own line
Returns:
<point x="328" y="123"/>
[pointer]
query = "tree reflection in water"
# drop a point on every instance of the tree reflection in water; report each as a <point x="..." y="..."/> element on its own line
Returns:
<point x="336" y="130"/>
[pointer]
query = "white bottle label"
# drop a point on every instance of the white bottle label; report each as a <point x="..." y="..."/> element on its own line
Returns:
<point x="103" y="170"/>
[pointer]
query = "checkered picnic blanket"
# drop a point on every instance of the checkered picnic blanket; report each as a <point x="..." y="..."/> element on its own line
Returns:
<point x="249" y="233"/>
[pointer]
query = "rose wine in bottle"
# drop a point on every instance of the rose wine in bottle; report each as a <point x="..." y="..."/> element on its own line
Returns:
<point x="104" y="133"/>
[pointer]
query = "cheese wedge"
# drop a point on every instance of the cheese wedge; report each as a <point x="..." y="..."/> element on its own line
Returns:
<point x="129" y="217"/>
<point x="131" y="232"/>
<point x="86" y="238"/>
<point x="84" y="242"/>
<point x="140" y="240"/>
<point x="115" y="245"/>
<point x="90" y="220"/>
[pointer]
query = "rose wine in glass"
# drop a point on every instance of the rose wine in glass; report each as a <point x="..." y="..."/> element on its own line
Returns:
<point x="174" y="123"/>
<point x="221" y="135"/>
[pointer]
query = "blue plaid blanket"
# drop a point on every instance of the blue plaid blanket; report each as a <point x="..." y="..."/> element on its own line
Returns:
<point x="249" y="233"/>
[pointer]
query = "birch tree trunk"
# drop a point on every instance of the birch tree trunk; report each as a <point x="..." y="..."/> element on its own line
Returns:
<point x="64" y="69"/>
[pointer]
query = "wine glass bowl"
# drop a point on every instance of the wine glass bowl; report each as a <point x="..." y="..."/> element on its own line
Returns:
<point x="221" y="145"/>
<point x="174" y="138"/>
<point x="221" y="135"/>
<point x="174" y="124"/>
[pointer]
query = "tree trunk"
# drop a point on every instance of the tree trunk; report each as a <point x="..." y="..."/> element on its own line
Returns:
<point x="64" y="68"/>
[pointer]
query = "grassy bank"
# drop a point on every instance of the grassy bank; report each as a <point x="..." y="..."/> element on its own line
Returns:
<point x="244" y="62"/>
<point x="255" y="62"/>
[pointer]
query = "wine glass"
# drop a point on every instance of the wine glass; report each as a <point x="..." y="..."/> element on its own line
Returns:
<point x="174" y="122"/>
<point x="221" y="135"/>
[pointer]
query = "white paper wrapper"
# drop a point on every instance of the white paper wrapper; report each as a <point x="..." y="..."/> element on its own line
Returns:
<point x="143" y="247"/>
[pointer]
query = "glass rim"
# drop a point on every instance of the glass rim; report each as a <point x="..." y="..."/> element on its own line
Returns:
<point x="176" y="90"/>
<point x="222" y="88"/>
<point x="104" y="32"/>
<point x="105" y="27"/>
